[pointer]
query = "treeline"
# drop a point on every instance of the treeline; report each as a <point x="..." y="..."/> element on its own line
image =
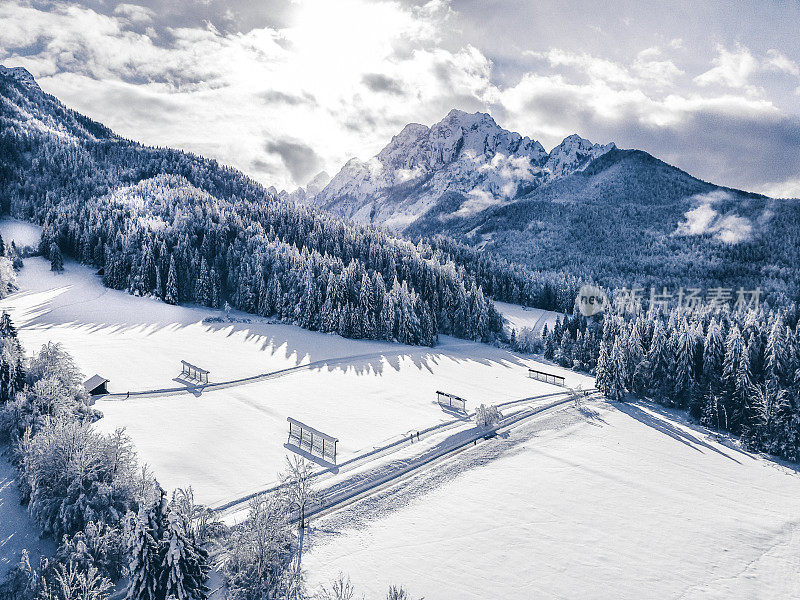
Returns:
<point x="185" y="229"/>
<point x="738" y="371"/>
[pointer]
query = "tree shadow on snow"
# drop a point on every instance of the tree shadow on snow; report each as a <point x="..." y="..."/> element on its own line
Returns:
<point x="662" y="424"/>
<point x="722" y="438"/>
<point x="75" y="303"/>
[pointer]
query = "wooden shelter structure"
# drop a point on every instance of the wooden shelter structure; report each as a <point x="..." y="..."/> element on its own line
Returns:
<point x="96" y="385"/>
<point x="451" y="401"/>
<point x="546" y="377"/>
<point x="191" y="371"/>
<point x="313" y="440"/>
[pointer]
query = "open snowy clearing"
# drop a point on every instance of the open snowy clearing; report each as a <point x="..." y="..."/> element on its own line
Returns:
<point x="518" y="317"/>
<point x="628" y="503"/>
<point x="227" y="442"/>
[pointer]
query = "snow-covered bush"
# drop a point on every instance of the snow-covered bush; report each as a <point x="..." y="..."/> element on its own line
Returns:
<point x="100" y="546"/>
<point x="341" y="589"/>
<point x="8" y="277"/>
<point x="72" y="475"/>
<point x="398" y="593"/>
<point x="487" y="416"/>
<point x="259" y="559"/>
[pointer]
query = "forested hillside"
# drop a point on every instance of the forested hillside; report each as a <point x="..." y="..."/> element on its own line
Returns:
<point x="630" y="219"/>
<point x="622" y="218"/>
<point x="186" y="229"/>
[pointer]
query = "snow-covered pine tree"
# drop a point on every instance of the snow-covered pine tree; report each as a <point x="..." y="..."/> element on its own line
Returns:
<point x="147" y="553"/>
<point x="775" y="352"/>
<point x="617" y="375"/>
<point x="603" y="376"/>
<point x="683" y="374"/>
<point x="634" y="355"/>
<point x="185" y="566"/>
<point x="564" y="352"/>
<point x="202" y="291"/>
<point x="736" y="379"/>
<point x="56" y="259"/>
<point x="171" y="291"/>
<point x="549" y="343"/>
<point x="660" y="360"/>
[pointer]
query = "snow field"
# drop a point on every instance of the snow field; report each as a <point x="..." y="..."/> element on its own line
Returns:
<point x="227" y="441"/>
<point x="631" y="504"/>
<point x="534" y="319"/>
<point x="17" y="530"/>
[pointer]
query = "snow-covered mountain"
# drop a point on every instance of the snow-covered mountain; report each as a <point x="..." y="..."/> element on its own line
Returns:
<point x="20" y="74"/>
<point x="467" y="155"/>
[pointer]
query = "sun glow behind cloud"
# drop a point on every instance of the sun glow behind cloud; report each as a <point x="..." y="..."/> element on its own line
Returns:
<point x="338" y="79"/>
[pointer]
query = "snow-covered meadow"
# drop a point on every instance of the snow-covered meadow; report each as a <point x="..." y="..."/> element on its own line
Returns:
<point x="230" y="441"/>
<point x="610" y="502"/>
<point x="519" y="317"/>
<point x="618" y="502"/>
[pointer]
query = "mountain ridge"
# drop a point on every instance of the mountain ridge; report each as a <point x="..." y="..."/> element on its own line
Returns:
<point x="616" y="216"/>
<point x="463" y="153"/>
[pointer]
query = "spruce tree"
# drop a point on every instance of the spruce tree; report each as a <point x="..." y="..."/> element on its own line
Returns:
<point x="617" y="375"/>
<point x="147" y="555"/>
<point x="185" y="566"/>
<point x="171" y="291"/>
<point x="203" y="288"/>
<point x="736" y="380"/>
<point x="660" y="362"/>
<point x="775" y="352"/>
<point x="603" y="376"/>
<point x="683" y="374"/>
<point x="634" y="356"/>
<point x="56" y="259"/>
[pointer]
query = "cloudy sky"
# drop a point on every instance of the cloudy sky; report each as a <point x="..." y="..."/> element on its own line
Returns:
<point x="284" y="89"/>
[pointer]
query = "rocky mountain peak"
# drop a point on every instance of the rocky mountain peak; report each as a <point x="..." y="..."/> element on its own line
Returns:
<point x="466" y="154"/>
<point x="20" y="74"/>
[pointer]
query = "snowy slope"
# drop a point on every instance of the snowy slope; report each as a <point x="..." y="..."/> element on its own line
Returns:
<point x="518" y="317"/>
<point x="466" y="155"/>
<point x="225" y="442"/>
<point x="625" y="504"/>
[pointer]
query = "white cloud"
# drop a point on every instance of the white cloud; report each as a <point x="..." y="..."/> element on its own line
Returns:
<point x="777" y="61"/>
<point x="650" y="64"/>
<point x="208" y="91"/>
<point x="135" y="13"/>
<point x="597" y="68"/>
<point x="705" y="219"/>
<point x="790" y="188"/>
<point x="731" y="68"/>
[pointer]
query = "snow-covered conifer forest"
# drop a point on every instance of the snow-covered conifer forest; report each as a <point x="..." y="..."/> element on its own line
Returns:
<point x="386" y="383"/>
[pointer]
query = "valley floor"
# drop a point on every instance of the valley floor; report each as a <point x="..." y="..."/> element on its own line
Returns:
<point x="620" y="501"/>
<point x="614" y="501"/>
<point x="231" y="441"/>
